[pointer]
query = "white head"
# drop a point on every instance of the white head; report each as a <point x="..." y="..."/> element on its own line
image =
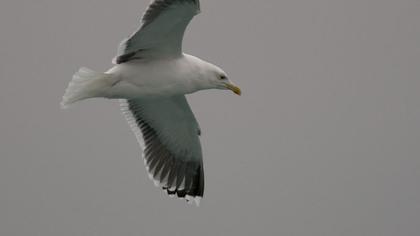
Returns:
<point x="217" y="79"/>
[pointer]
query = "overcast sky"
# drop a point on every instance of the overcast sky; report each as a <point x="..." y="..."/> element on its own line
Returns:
<point x="325" y="140"/>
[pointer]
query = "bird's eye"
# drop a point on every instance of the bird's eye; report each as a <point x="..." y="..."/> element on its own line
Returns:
<point x="222" y="77"/>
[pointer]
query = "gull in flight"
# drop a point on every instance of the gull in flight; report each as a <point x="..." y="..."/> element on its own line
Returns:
<point x="151" y="76"/>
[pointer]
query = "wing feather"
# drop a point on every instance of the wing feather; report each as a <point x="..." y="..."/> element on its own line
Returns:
<point x="161" y="31"/>
<point x="172" y="149"/>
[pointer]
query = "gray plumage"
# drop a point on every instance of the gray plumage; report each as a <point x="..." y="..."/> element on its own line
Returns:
<point x="176" y="167"/>
<point x="161" y="31"/>
<point x="159" y="6"/>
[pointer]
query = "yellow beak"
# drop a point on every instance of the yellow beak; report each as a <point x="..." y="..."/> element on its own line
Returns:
<point x="234" y="89"/>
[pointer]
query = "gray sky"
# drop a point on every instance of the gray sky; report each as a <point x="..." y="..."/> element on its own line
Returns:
<point x="324" y="141"/>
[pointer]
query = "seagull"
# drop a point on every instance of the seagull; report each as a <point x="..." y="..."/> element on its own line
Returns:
<point x="151" y="76"/>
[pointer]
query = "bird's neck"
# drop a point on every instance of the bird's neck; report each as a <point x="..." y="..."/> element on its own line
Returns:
<point x="199" y="73"/>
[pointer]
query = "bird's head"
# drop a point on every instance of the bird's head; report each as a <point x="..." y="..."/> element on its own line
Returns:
<point x="219" y="80"/>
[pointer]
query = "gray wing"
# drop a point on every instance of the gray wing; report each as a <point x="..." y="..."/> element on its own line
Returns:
<point x="168" y="132"/>
<point x="161" y="31"/>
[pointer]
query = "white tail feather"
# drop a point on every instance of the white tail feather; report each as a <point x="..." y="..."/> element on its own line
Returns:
<point x="86" y="83"/>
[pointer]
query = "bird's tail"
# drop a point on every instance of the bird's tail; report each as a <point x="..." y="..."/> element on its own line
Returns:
<point x="85" y="84"/>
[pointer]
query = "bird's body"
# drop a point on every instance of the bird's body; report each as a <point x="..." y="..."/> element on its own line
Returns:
<point x="151" y="76"/>
<point x="146" y="79"/>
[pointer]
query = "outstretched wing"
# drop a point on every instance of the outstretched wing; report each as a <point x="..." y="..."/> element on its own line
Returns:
<point x="161" y="31"/>
<point x="169" y="135"/>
